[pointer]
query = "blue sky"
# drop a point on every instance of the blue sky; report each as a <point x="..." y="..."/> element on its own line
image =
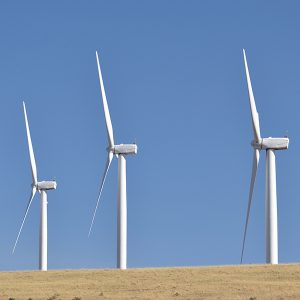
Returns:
<point x="175" y="83"/>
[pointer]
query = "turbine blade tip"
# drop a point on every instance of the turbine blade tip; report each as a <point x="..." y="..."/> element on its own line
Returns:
<point x="90" y="232"/>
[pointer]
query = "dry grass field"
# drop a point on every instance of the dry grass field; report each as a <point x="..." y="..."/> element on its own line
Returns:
<point x="230" y="282"/>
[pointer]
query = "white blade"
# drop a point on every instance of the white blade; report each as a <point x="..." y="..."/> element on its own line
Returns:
<point x="254" y="113"/>
<point x="110" y="134"/>
<point x="27" y="209"/>
<point x="109" y="159"/>
<point x="254" y="171"/>
<point x="31" y="153"/>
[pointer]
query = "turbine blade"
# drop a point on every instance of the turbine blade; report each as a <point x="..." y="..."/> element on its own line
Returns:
<point x="31" y="153"/>
<point x="254" y="171"/>
<point x="254" y="113"/>
<point x="26" y="212"/>
<point x="110" y="134"/>
<point x="109" y="159"/>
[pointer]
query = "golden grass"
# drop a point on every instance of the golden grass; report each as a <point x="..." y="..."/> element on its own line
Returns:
<point x="230" y="282"/>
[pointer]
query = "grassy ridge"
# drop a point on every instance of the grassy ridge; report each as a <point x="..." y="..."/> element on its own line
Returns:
<point x="230" y="282"/>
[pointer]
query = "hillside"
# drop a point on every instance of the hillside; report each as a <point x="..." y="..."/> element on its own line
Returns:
<point x="229" y="282"/>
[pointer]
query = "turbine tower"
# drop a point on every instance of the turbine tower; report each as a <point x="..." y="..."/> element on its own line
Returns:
<point x="270" y="145"/>
<point x="120" y="151"/>
<point x="42" y="187"/>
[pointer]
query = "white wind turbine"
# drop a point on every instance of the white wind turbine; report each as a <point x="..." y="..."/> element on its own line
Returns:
<point x="270" y="145"/>
<point x="41" y="187"/>
<point x="120" y="151"/>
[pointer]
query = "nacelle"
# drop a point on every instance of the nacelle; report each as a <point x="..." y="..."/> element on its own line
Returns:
<point x="46" y="185"/>
<point x="125" y="149"/>
<point x="271" y="143"/>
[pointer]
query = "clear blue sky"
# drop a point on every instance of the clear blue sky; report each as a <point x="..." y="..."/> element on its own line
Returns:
<point x="175" y="83"/>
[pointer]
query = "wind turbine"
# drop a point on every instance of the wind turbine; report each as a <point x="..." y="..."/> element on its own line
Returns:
<point x="270" y="145"/>
<point x="42" y="187"/>
<point x="120" y="151"/>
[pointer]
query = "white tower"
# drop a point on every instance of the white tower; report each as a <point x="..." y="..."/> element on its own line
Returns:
<point x="121" y="151"/>
<point x="42" y="187"/>
<point x="270" y="145"/>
